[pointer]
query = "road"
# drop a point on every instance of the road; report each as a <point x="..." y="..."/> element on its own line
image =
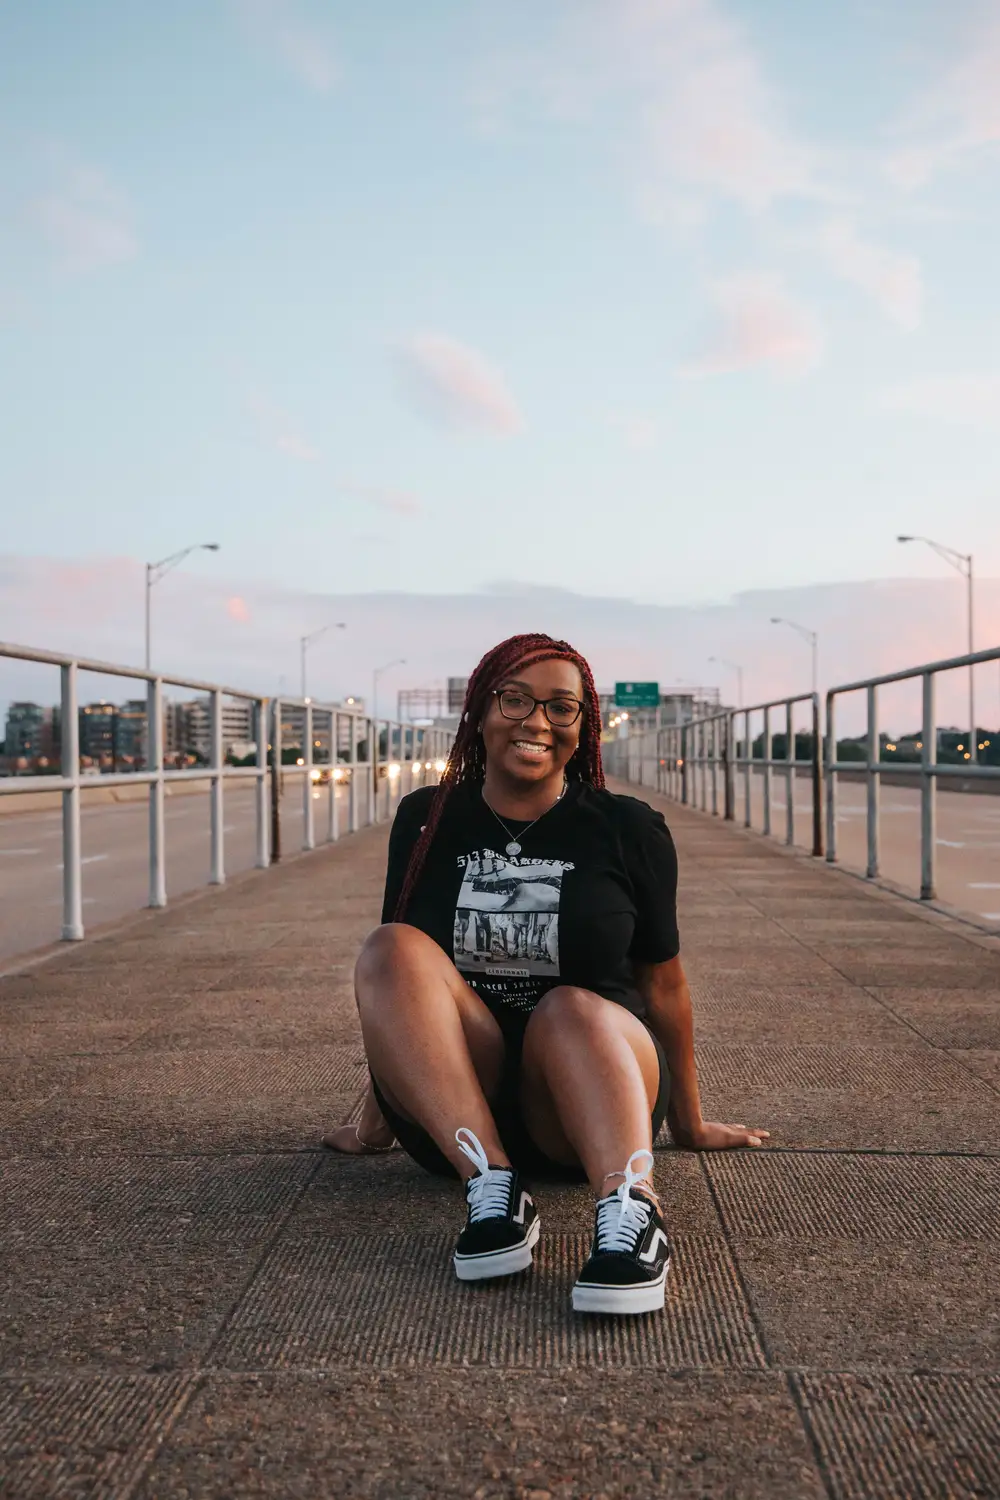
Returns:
<point x="116" y="860"/>
<point x="968" y="838"/>
<point x="115" y="873"/>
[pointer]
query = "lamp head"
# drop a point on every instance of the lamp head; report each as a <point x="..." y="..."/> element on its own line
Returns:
<point x="906" y="539"/>
<point x="777" y="620"/>
<point x="210" y="546"/>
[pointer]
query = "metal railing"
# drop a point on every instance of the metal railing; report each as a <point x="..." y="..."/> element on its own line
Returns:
<point x="697" y="764"/>
<point x="927" y="771"/>
<point x="374" y="782"/>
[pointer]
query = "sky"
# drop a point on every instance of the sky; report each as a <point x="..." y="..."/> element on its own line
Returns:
<point x="658" y="300"/>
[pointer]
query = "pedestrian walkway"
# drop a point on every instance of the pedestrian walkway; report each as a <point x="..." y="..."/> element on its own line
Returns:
<point x="199" y="1302"/>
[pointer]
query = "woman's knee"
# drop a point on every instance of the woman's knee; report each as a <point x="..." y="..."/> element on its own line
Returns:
<point x="567" y="1006"/>
<point x="390" y="949"/>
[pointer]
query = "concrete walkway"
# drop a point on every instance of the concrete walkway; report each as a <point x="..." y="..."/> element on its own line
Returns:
<point x="199" y="1302"/>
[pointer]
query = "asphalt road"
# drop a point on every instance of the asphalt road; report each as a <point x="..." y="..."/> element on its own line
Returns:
<point x="968" y="838"/>
<point x="116" y="861"/>
<point x="116" y="872"/>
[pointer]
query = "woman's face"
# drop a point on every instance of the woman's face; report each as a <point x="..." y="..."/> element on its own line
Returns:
<point x="530" y="749"/>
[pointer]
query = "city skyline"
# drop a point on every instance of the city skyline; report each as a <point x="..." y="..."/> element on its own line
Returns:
<point x="665" y="300"/>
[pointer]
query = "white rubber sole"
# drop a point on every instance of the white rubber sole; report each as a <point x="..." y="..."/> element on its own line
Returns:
<point x="650" y="1297"/>
<point x="498" y="1262"/>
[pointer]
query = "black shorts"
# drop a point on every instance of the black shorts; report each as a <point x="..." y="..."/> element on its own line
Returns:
<point x="506" y="1108"/>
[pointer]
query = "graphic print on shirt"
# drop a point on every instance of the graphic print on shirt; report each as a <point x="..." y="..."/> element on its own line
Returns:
<point x="507" y="917"/>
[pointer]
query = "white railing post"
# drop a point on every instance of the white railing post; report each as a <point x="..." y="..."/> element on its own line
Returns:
<point x="154" y="762"/>
<point x="69" y="730"/>
<point x="218" y="875"/>
<point x="308" y="821"/>
<point x="747" y="771"/>
<point x="333" y="810"/>
<point x="353" y="809"/>
<point x="767" y="770"/>
<point x="928" y="791"/>
<point x="830" y="750"/>
<point x="873" y="779"/>
<point x="373" y="772"/>
<point x="260" y="783"/>
<point x="789" y="775"/>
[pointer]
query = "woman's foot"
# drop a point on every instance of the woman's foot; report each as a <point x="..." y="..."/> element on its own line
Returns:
<point x="501" y="1225"/>
<point x="630" y="1258"/>
<point x="371" y="1136"/>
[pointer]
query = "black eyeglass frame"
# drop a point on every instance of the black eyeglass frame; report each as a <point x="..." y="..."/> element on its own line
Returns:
<point x="542" y="703"/>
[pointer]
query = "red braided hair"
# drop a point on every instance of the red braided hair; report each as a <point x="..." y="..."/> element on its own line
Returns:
<point x="467" y="761"/>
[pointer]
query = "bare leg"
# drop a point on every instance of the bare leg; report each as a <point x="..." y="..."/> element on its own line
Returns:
<point x="589" y="1080"/>
<point x="430" y="1041"/>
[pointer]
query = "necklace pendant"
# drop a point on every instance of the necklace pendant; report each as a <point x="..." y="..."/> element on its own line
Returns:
<point x="513" y="849"/>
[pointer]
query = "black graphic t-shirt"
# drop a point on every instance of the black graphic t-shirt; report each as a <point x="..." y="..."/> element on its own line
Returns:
<point x="592" y="889"/>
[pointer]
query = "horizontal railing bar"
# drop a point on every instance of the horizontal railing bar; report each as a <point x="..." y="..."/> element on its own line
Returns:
<point x="950" y="664"/>
<point x="914" y="768"/>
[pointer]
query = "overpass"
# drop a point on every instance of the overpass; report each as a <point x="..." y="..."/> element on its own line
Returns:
<point x="200" y="1301"/>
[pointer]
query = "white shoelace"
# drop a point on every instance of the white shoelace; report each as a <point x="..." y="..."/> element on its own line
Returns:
<point x="621" y="1218"/>
<point x="488" y="1193"/>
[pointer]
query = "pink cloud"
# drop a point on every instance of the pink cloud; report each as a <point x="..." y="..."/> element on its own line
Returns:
<point x="305" y="50"/>
<point x="958" y="118"/>
<point x="86" y="221"/>
<point x="399" y="502"/>
<point x="455" y="387"/>
<point x="686" y="83"/>
<point x="758" y="324"/>
<point x="237" y="609"/>
<point x="892" y="280"/>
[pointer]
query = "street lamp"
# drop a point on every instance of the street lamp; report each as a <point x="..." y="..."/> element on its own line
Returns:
<point x="155" y="571"/>
<point x="733" y="666"/>
<point x="812" y="636"/>
<point x="962" y="563"/>
<point x="306" y="640"/>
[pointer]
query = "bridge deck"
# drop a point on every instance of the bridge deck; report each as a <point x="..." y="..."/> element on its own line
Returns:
<point x="199" y="1302"/>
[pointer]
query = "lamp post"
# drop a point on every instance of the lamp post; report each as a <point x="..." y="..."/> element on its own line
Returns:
<point x="733" y="666"/>
<point x="812" y="636"/>
<point x="305" y="641"/>
<point x="962" y="563"/>
<point x="155" y="571"/>
<point x="400" y="661"/>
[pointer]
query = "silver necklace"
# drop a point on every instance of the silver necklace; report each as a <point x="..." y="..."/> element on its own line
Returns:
<point x="514" y="847"/>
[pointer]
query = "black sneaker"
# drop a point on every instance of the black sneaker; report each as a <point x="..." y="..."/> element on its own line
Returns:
<point x="502" y="1227"/>
<point x="627" y="1269"/>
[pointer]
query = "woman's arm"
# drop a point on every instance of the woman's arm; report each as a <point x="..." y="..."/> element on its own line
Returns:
<point x="668" y="1013"/>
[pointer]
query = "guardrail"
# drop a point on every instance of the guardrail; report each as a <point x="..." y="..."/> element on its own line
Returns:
<point x="926" y="770"/>
<point x="688" y="762"/>
<point x="374" y="783"/>
<point x="693" y="762"/>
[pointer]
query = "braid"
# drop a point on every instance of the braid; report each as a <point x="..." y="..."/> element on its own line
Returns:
<point x="467" y="760"/>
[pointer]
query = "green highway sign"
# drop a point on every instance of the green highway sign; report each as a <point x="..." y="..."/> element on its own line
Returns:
<point x="637" y="694"/>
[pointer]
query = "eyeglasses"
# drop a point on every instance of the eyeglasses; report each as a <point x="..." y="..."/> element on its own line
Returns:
<point x="560" y="712"/>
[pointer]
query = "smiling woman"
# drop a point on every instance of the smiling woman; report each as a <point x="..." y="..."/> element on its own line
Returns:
<point x="523" y="1004"/>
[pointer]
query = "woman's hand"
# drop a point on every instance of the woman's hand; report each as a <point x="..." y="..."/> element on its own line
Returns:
<point x="709" y="1136"/>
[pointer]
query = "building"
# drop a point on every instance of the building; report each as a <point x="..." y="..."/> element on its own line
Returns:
<point x="192" y="730"/>
<point x="678" y="706"/>
<point x="28" y="731"/>
<point x="98" y="739"/>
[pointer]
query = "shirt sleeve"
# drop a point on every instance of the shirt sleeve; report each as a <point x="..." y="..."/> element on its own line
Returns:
<point x="411" y="814"/>
<point x="652" y="865"/>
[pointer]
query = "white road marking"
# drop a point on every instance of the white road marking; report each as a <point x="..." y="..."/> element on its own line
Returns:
<point x="88" y="859"/>
<point x="984" y="885"/>
<point x="949" y="844"/>
<point x="20" y="851"/>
